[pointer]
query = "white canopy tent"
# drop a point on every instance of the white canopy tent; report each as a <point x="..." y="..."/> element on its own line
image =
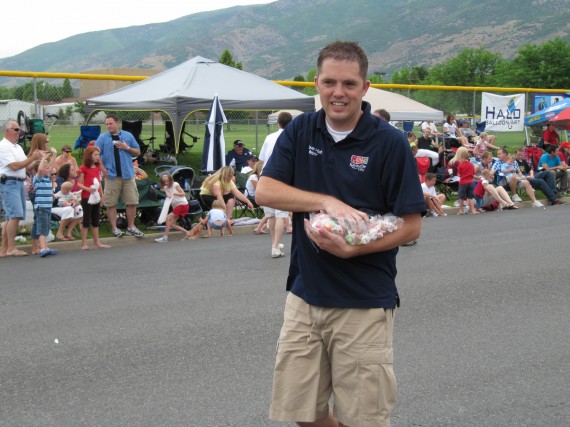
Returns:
<point x="272" y="118"/>
<point x="191" y="86"/>
<point x="399" y="106"/>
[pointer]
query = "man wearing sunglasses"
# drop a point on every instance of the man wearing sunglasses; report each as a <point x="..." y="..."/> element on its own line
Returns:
<point x="66" y="157"/>
<point x="13" y="163"/>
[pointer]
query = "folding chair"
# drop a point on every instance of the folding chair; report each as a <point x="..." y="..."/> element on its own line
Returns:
<point x="88" y="133"/>
<point x="168" y="147"/>
<point x="408" y="125"/>
<point x="445" y="183"/>
<point x="135" y="128"/>
<point x="480" y="127"/>
<point x="423" y="164"/>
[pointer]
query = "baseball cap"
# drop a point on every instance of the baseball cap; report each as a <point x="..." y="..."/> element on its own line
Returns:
<point x="254" y="158"/>
<point x="565" y="144"/>
<point x="239" y="142"/>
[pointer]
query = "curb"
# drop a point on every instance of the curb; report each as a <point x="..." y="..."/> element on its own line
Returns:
<point x="243" y="229"/>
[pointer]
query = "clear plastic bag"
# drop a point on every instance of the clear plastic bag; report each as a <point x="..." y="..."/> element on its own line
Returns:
<point x="358" y="233"/>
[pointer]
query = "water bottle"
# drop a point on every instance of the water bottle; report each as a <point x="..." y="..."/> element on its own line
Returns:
<point x="186" y="185"/>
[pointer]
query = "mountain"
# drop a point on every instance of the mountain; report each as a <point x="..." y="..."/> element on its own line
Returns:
<point x="281" y="39"/>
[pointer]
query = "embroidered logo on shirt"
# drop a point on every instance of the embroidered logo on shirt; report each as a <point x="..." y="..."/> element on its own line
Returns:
<point x="358" y="162"/>
<point x="314" y="151"/>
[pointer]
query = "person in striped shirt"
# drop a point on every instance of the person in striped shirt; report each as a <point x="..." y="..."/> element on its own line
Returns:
<point x="43" y="186"/>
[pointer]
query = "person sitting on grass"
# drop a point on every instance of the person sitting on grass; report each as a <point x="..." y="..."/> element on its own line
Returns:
<point x="515" y="179"/>
<point x="434" y="201"/>
<point x="486" y="194"/>
<point x="543" y="181"/>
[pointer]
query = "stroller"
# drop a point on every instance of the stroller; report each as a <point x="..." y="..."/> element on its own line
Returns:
<point x="184" y="176"/>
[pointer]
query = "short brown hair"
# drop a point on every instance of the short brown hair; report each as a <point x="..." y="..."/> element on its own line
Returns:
<point x="344" y="51"/>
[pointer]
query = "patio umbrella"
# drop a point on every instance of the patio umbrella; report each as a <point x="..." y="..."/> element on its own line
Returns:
<point x="562" y="119"/>
<point x="214" y="154"/>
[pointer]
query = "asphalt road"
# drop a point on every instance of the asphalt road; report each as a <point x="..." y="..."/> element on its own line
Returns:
<point x="183" y="334"/>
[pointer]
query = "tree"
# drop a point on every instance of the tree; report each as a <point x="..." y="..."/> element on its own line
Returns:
<point x="66" y="89"/>
<point x="541" y="66"/>
<point x="226" y="58"/>
<point x="298" y="78"/>
<point x="471" y="67"/>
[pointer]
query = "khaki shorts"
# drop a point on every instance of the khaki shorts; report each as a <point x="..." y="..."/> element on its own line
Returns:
<point x="354" y="344"/>
<point x="124" y="189"/>
<point x="270" y="212"/>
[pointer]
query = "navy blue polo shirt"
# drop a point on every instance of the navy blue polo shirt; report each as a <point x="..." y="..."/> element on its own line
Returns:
<point x="373" y="170"/>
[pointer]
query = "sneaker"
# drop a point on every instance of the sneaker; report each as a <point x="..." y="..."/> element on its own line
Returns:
<point x="537" y="204"/>
<point x="117" y="233"/>
<point x="557" y="203"/>
<point x="162" y="239"/>
<point x="412" y="243"/>
<point x="516" y="198"/>
<point x="44" y="253"/>
<point x="135" y="232"/>
<point x="276" y="253"/>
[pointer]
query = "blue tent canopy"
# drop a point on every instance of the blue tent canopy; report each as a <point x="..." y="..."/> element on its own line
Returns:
<point x="541" y="117"/>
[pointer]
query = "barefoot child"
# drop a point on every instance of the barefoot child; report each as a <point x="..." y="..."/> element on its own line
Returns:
<point x="178" y="202"/>
<point x="465" y="170"/>
<point x="215" y="219"/>
<point x="90" y="171"/>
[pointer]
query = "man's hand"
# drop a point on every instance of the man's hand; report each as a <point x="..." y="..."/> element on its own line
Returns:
<point x="330" y="242"/>
<point x="344" y="213"/>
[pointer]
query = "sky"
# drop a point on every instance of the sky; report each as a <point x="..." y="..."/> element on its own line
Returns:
<point x="42" y="21"/>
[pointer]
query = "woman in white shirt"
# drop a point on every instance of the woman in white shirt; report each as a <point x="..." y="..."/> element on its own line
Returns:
<point x="453" y="133"/>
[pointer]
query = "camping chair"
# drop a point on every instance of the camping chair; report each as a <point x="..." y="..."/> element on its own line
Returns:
<point x="135" y="128"/>
<point x="424" y="165"/>
<point x="480" y="127"/>
<point x="532" y="155"/>
<point x="446" y="183"/>
<point x="408" y="125"/>
<point x="168" y="147"/>
<point x="88" y="133"/>
<point x="28" y="127"/>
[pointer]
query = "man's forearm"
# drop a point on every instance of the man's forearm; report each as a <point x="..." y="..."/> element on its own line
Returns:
<point x="275" y="194"/>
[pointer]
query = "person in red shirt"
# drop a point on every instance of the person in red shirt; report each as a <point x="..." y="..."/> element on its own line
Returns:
<point x="564" y="152"/>
<point x="465" y="170"/>
<point x="550" y="136"/>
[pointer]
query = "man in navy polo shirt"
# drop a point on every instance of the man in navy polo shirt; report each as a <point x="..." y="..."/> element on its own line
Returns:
<point x="336" y="337"/>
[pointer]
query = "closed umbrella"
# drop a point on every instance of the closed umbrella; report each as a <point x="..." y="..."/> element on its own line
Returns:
<point x="214" y="156"/>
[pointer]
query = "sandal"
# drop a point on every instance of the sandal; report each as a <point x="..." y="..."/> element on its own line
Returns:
<point x="69" y="238"/>
<point x="17" y="252"/>
<point x="257" y="233"/>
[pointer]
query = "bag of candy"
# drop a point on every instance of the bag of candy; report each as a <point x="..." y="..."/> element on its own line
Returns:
<point x="359" y="233"/>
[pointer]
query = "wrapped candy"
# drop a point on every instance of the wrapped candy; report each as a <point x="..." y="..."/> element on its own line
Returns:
<point x="360" y="233"/>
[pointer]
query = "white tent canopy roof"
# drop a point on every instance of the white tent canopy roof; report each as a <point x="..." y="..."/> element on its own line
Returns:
<point x="272" y="118"/>
<point x="399" y="106"/>
<point x="191" y="86"/>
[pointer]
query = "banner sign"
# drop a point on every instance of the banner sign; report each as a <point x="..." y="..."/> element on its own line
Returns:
<point x="503" y="113"/>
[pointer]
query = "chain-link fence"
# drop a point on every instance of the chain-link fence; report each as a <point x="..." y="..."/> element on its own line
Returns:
<point x="59" y="101"/>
